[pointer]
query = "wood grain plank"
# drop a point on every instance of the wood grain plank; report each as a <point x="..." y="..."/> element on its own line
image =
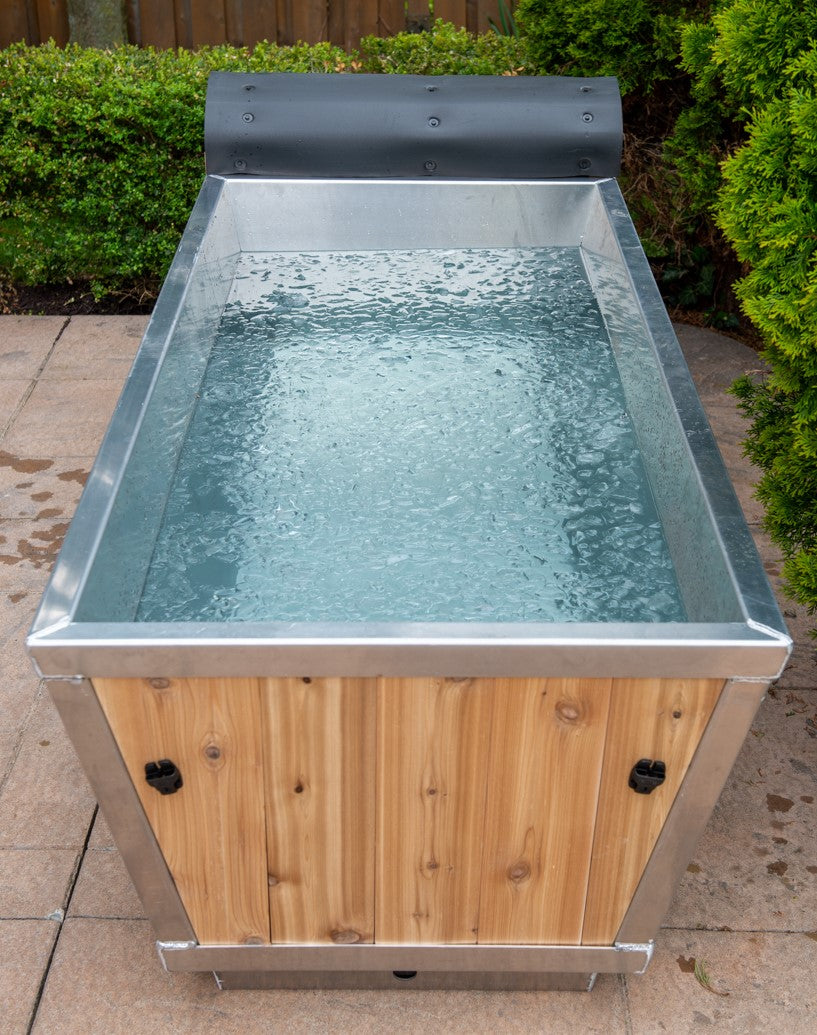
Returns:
<point x="260" y="22"/>
<point x="350" y="20"/>
<point x="391" y="17"/>
<point x="453" y="11"/>
<point x="133" y="28"/>
<point x="14" y="23"/>
<point x="433" y="737"/>
<point x="320" y="787"/>
<point x="234" y="22"/>
<point x="486" y="9"/>
<point x="52" y="18"/>
<point x="208" y="25"/>
<point x="308" y="21"/>
<point x="211" y="832"/>
<point x="656" y="719"/>
<point x="544" y="771"/>
<point x="418" y="9"/>
<point x="182" y="12"/>
<point x="157" y="24"/>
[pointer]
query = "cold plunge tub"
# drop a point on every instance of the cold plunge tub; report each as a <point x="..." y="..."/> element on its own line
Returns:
<point x="408" y="567"/>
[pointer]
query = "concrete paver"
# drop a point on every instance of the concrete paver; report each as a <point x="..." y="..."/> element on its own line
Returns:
<point x="751" y="884"/>
<point x="757" y="983"/>
<point x="34" y="496"/>
<point x="45" y="801"/>
<point x="35" y="883"/>
<point x="104" y="888"/>
<point x="12" y="394"/>
<point x="25" y="342"/>
<point x="112" y="964"/>
<point x="755" y="867"/>
<point x="19" y="693"/>
<point x="96" y="347"/>
<point x="25" y="952"/>
<point x="63" y="418"/>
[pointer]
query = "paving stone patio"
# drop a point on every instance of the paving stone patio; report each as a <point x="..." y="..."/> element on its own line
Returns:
<point x="76" y="954"/>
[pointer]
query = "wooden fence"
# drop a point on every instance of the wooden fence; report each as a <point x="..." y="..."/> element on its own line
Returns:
<point x="192" y="23"/>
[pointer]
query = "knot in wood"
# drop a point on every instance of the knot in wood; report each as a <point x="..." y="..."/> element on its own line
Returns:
<point x="432" y="864"/>
<point x="213" y="752"/>
<point x="159" y="684"/>
<point x="518" y="872"/>
<point x="253" y="939"/>
<point x="346" y="936"/>
<point x="272" y="880"/>
<point x="567" y="711"/>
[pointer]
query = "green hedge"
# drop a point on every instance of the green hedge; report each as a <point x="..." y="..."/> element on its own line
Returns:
<point x="635" y="40"/>
<point x="101" y="151"/>
<point x="767" y="206"/>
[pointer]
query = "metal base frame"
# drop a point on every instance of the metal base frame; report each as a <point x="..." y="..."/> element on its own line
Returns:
<point x="406" y="980"/>
<point x="468" y="961"/>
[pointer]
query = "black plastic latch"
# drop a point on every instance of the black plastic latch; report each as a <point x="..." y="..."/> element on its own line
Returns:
<point x="164" y="776"/>
<point x="646" y="775"/>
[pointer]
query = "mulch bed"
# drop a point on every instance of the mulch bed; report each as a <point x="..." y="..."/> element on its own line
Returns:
<point x="68" y="300"/>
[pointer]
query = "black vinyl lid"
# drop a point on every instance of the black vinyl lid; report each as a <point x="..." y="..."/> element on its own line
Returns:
<point x="474" y="127"/>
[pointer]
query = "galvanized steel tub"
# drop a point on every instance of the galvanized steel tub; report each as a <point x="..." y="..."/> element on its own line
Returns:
<point x="407" y="803"/>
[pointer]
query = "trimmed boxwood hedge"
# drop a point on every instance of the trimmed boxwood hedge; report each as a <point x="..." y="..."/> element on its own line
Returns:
<point x="101" y="151"/>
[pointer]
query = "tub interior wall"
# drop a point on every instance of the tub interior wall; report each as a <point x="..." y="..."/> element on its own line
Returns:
<point x="622" y="283"/>
<point x="114" y="583"/>
<point x="252" y="216"/>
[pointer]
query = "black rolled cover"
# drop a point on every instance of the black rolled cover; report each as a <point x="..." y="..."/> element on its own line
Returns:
<point x="352" y="125"/>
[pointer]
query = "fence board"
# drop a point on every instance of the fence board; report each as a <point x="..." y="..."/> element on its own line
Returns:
<point x="207" y="24"/>
<point x="391" y="17"/>
<point x="13" y="22"/>
<point x="184" y="23"/>
<point x="157" y="24"/>
<point x="352" y="19"/>
<point x="451" y="11"/>
<point x="486" y="9"/>
<point x="52" y="18"/>
<point x="193" y="23"/>
<point x="259" y="22"/>
<point x="308" y="21"/>
<point x="418" y="10"/>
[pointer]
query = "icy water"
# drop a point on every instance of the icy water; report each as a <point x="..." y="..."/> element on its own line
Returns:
<point x="411" y="436"/>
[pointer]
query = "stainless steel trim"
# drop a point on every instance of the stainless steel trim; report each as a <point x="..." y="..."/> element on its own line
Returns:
<point x="618" y="959"/>
<point x="708" y="771"/>
<point x="580" y="651"/>
<point x="96" y="748"/>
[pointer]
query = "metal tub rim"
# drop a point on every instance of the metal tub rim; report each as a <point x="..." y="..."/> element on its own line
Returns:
<point x="751" y="643"/>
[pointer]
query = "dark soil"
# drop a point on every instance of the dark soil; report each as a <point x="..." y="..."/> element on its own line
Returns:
<point x="69" y="300"/>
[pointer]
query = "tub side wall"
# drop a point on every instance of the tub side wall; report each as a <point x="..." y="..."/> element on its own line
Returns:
<point x="623" y="287"/>
<point x="405" y="811"/>
<point x="309" y="215"/>
<point x="183" y="327"/>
